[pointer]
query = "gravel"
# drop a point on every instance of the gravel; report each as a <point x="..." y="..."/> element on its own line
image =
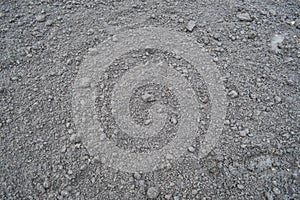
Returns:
<point x="254" y="46"/>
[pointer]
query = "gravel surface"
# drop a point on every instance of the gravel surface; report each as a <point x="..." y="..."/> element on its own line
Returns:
<point x="158" y="99"/>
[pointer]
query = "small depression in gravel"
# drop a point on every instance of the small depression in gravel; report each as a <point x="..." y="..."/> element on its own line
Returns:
<point x="149" y="99"/>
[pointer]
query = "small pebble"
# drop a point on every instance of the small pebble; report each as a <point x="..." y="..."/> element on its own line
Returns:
<point x="148" y="97"/>
<point x="40" y="18"/>
<point x="233" y="94"/>
<point x="74" y="139"/>
<point x="276" y="191"/>
<point x="191" y="149"/>
<point x="191" y="25"/>
<point x="180" y="20"/>
<point x="137" y="176"/>
<point x="239" y="186"/>
<point x="174" y="120"/>
<point x="244" y="17"/>
<point x="244" y="132"/>
<point x="152" y="192"/>
<point x="277" y="99"/>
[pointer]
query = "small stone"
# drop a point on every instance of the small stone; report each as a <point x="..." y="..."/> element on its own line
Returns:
<point x="194" y="192"/>
<point x="174" y="120"/>
<point x="153" y="192"/>
<point x="277" y="99"/>
<point x="49" y="23"/>
<point x="46" y="184"/>
<point x="240" y="186"/>
<point x="148" y="97"/>
<point x="191" y="149"/>
<point x="268" y="196"/>
<point x="233" y="94"/>
<point x="191" y="25"/>
<point x="75" y="139"/>
<point x="137" y="176"/>
<point x="148" y="121"/>
<point x="226" y="122"/>
<point x="64" y="193"/>
<point x="176" y="198"/>
<point x="152" y="16"/>
<point x="40" y="18"/>
<point x="244" y="17"/>
<point x="180" y="20"/>
<point x="244" y="132"/>
<point x="114" y="38"/>
<point x="276" y="191"/>
<point x="64" y="149"/>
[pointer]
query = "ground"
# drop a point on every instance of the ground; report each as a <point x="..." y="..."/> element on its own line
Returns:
<point x="84" y="82"/>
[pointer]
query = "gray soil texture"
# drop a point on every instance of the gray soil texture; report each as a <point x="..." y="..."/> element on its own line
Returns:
<point x="158" y="99"/>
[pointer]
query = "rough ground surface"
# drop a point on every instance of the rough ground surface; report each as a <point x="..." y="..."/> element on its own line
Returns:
<point x="255" y="45"/>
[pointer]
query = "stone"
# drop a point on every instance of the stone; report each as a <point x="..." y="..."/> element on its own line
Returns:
<point x="147" y="97"/>
<point x="40" y="18"/>
<point x="152" y="192"/>
<point x="191" y="25"/>
<point x="174" y="120"/>
<point x="277" y="99"/>
<point x="137" y="176"/>
<point x="240" y="186"/>
<point x="233" y="94"/>
<point x="191" y="149"/>
<point x="244" y="132"/>
<point x="244" y="17"/>
<point x="75" y="139"/>
<point x="276" y="191"/>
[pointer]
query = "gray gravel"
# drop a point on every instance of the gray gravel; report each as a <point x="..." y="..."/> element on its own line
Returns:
<point x="255" y="46"/>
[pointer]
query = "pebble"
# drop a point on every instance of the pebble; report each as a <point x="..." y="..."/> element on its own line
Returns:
<point x="244" y="132"/>
<point x="180" y="20"/>
<point x="174" y="120"/>
<point x="244" y="17"/>
<point x="40" y="18"/>
<point x="46" y="184"/>
<point x="277" y="99"/>
<point x="276" y="191"/>
<point x="148" y="121"/>
<point x="148" y="97"/>
<point x="191" y="149"/>
<point x="114" y="38"/>
<point x="194" y="192"/>
<point x="74" y="139"/>
<point x="233" y="94"/>
<point x="49" y="23"/>
<point x="240" y="186"/>
<point x="268" y="196"/>
<point x="191" y="25"/>
<point x="137" y="176"/>
<point x="152" y="192"/>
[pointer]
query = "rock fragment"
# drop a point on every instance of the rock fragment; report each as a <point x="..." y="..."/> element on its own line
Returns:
<point x="152" y="192"/>
<point x="191" y="25"/>
<point x="233" y="94"/>
<point x="40" y="18"/>
<point x="147" y="97"/>
<point x="244" y="17"/>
